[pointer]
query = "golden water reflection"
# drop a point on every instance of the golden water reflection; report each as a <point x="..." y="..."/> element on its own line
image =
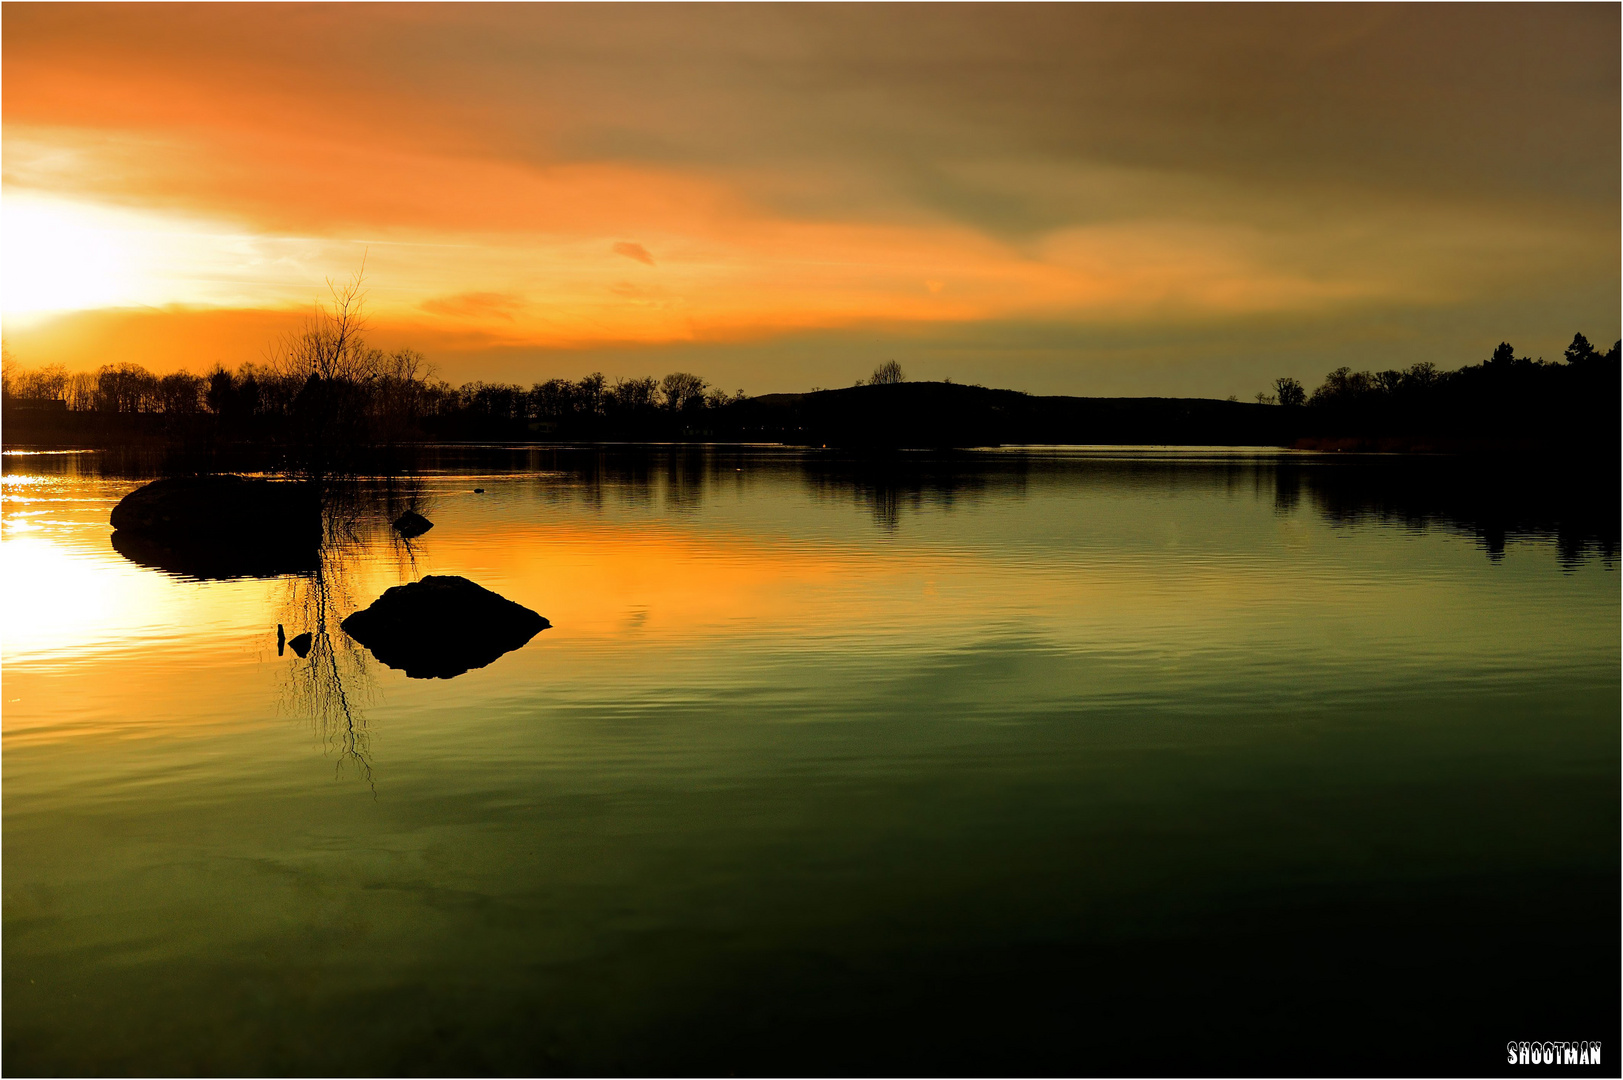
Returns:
<point x="1185" y="574"/>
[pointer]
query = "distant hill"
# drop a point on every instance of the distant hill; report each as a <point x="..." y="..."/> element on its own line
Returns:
<point x="939" y="414"/>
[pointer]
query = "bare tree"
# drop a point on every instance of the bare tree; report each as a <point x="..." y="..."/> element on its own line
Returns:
<point x="126" y="388"/>
<point x="180" y="393"/>
<point x="635" y="395"/>
<point x="683" y="391"/>
<point x="888" y="374"/>
<point x="335" y="373"/>
<point x="1290" y="392"/>
<point x="330" y="344"/>
<point x="46" y="383"/>
<point x="80" y="391"/>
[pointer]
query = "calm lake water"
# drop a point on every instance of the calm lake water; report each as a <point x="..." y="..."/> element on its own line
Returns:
<point x="1046" y="761"/>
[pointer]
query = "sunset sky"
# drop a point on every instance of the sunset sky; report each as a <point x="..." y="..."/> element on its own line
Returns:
<point x="1063" y="199"/>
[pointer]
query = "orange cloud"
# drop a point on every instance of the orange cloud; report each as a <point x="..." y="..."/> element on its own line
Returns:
<point x="801" y="169"/>
<point x="474" y="306"/>
<point x="634" y="251"/>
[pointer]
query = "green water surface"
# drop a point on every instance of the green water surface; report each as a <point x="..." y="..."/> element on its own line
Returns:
<point x="1019" y="762"/>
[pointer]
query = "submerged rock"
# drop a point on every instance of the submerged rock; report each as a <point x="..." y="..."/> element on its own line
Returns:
<point x="412" y="524"/>
<point x="442" y="626"/>
<point x="220" y="526"/>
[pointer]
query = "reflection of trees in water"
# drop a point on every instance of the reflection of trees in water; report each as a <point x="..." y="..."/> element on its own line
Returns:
<point x="1287" y="489"/>
<point x="681" y="479"/>
<point x="1497" y="503"/>
<point x="332" y="684"/>
<point x="687" y="471"/>
<point x="383" y="505"/>
<point x="676" y="479"/>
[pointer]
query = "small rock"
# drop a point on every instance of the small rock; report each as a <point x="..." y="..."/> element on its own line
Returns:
<point x="300" y="645"/>
<point x="411" y="524"/>
<point x="478" y="491"/>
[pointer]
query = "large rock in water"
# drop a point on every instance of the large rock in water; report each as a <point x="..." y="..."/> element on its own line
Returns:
<point x="442" y="626"/>
<point x="220" y="526"/>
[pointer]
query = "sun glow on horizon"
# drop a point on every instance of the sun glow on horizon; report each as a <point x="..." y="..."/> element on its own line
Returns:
<point x="64" y="255"/>
<point x="58" y="257"/>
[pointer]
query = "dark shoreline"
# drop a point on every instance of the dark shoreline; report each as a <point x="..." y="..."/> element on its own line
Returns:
<point x="911" y="416"/>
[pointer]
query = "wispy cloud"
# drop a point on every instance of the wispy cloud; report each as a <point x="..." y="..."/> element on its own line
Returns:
<point x="634" y="251"/>
<point x="474" y="305"/>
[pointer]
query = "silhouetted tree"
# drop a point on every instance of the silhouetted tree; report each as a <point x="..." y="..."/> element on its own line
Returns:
<point x="888" y="374"/>
<point x="1289" y="391"/>
<point x="635" y="395"/>
<point x="126" y="388"/>
<point x="80" y="391"/>
<point x="589" y="394"/>
<point x="180" y="393"/>
<point x="718" y="398"/>
<point x="1580" y="353"/>
<point x="329" y="345"/>
<point x="48" y="383"/>
<point x="1421" y="375"/>
<point x="683" y="391"/>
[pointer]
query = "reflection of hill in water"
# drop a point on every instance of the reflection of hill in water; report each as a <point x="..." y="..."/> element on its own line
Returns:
<point x="896" y="484"/>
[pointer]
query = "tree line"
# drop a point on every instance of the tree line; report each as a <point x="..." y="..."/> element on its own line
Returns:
<point x="323" y="394"/>
<point x="325" y="372"/>
<point x="393" y="383"/>
<point x="1345" y="388"/>
<point x="1504" y="399"/>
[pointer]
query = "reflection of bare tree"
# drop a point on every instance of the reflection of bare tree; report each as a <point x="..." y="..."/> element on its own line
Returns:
<point x="331" y="683"/>
<point x="398" y="497"/>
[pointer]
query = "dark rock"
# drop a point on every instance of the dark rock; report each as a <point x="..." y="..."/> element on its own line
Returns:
<point x="412" y="524"/>
<point x="216" y="527"/>
<point x="442" y="626"/>
<point x="220" y="506"/>
<point x="300" y="645"/>
<point x="478" y="491"/>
